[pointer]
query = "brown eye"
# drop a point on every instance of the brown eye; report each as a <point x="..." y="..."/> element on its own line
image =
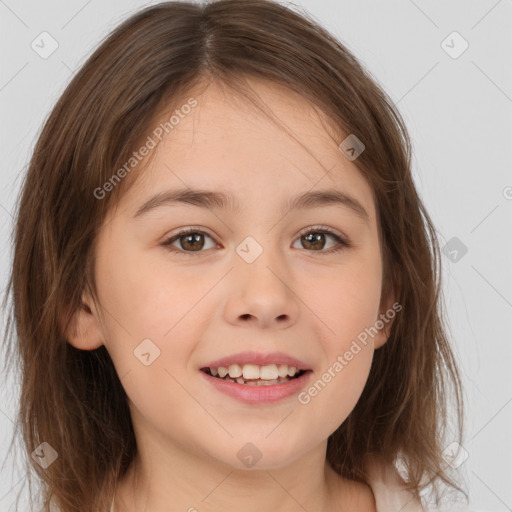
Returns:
<point x="314" y="241"/>
<point x="190" y="241"/>
<point x="193" y="242"/>
<point x="317" y="238"/>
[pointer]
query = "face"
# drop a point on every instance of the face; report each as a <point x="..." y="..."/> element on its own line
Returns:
<point x="254" y="279"/>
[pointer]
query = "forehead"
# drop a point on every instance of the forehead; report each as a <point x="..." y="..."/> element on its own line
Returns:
<point x="228" y="144"/>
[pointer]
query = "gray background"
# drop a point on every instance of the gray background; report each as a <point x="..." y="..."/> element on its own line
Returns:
<point x="459" y="114"/>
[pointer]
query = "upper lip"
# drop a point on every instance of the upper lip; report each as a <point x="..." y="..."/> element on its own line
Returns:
<point x="259" y="359"/>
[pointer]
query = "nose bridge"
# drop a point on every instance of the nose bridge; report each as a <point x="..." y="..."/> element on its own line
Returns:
<point x="262" y="291"/>
<point x="259" y="263"/>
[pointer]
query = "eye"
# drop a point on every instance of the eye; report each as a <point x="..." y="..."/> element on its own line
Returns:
<point x="315" y="238"/>
<point x="191" y="240"/>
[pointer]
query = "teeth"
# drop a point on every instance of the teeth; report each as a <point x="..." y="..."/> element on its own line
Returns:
<point x="292" y="371"/>
<point x="235" y="371"/>
<point x="270" y="372"/>
<point x="251" y="371"/>
<point x="259" y="382"/>
<point x="282" y="370"/>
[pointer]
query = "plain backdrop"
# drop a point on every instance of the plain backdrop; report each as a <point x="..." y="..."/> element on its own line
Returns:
<point x="454" y="91"/>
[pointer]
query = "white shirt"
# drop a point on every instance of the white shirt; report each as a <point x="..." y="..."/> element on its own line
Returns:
<point x="389" y="491"/>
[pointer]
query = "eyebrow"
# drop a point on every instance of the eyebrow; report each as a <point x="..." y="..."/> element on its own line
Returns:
<point x="219" y="200"/>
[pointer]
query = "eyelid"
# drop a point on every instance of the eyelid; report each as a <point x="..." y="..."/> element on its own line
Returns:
<point x="188" y="229"/>
<point x="322" y="227"/>
<point x="170" y="239"/>
<point x="343" y="241"/>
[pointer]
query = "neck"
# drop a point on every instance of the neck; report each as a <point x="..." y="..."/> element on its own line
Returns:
<point x="170" y="472"/>
<point x="153" y="483"/>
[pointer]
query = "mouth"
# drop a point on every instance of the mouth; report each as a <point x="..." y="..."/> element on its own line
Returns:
<point x="257" y="378"/>
<point x="264" y="387"/>
<point x="254" y="375"/>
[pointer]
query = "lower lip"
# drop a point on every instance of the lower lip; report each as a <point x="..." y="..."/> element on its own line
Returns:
<point x="259" y="394"/>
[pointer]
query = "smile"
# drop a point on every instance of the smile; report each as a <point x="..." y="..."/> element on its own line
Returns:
<point x="261" y="389"/>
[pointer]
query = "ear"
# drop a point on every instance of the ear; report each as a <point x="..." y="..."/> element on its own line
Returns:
<point x="388" y="310"/>
<point x="82" y="328"/>
<point x="384" y="321"/>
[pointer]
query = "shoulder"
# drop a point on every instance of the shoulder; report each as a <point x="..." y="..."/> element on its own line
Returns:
<point x="389" y="489"/>
<point x="354" y="495"/>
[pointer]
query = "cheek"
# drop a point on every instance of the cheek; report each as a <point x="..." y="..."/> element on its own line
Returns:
<point x="159" y="400"/>
<point x="146" y="294"/>
<point x="156" y="320"/>
<point x="336" y="389"/>
<point x="347" y="302"/>
<point x="348" y="310"/>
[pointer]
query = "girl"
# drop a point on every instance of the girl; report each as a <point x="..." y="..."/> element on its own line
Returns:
<point x="225" y="285"/>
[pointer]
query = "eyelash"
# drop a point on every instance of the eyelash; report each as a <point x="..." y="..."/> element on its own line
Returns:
<point x="342" y="243"/>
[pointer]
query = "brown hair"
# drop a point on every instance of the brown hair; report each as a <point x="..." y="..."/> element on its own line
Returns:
<point x="74" y="399"/>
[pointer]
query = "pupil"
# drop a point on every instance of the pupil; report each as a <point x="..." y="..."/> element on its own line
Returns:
<point x="316" y="241"/>
<point x="313" y="238"/>
<point x="190" y="239"/>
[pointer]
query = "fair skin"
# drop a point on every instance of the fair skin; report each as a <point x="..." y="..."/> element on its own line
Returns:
<point x="198" y="306"/>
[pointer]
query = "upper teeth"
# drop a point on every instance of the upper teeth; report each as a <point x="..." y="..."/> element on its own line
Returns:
<point x="253" y="371"/>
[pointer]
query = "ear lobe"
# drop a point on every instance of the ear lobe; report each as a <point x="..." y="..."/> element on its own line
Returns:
<point x="385" y="321"/>
<point x="382" y="337"/>
<point x="388" y="308"/>
<point x="83" y="330"/>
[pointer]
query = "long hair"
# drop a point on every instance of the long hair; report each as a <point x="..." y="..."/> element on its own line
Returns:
<point x="74" y="400"/>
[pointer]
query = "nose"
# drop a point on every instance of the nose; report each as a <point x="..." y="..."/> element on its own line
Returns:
<point x="261" y="294"/>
